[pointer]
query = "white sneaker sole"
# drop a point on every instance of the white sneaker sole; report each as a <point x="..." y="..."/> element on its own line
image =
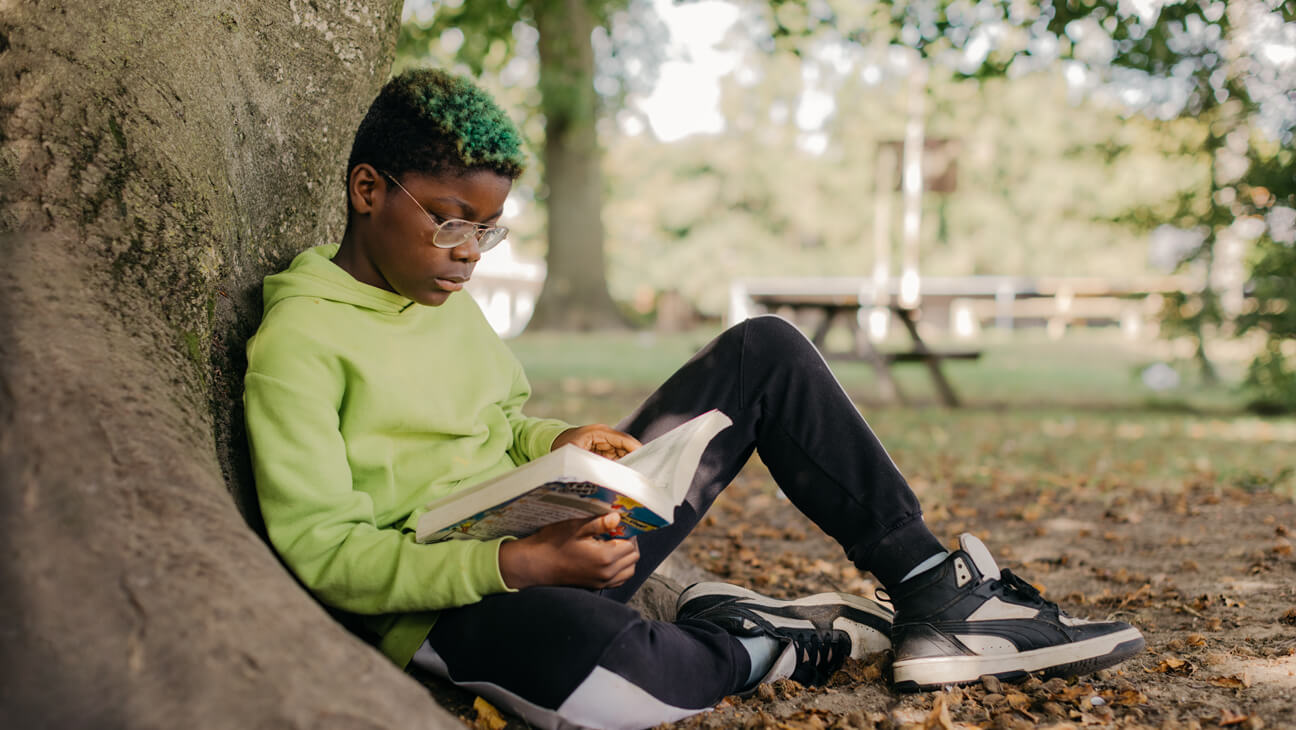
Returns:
<point x="865" y="639"/>
<point x="1079" y="657"/>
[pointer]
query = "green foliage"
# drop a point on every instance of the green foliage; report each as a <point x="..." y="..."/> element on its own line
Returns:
<point x="1271" y="305"/>
<point x="1209" y="49"/>
<point x="1038" y="193"/>
<point x="486" y="27"/>
<point x="1272" y="311"/>
<point x="1273" y="381"/>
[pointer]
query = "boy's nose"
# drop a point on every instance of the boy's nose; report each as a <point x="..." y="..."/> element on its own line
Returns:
<point x="467" y="251"/>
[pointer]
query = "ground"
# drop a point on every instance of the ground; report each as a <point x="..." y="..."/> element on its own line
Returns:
<point x="1207" y="573"/>
<point x="1174" y="516"/>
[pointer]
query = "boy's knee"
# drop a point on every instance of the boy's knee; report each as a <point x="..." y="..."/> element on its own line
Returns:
<point x="772" y="333"/>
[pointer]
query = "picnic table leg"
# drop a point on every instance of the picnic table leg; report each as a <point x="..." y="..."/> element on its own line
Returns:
<point x="930" y="359"/>
<point x="888" y="388"/>
<point x="820" y="335"/>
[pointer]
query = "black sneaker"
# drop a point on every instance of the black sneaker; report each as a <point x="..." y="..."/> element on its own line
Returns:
<point x="965" y="618"/>
<point x="821" y="631"/>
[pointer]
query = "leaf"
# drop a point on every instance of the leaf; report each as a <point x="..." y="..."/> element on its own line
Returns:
<point x="939" y="717"/>
<point x="1017" y="700"/>
<point x="1174" y="665"/>
<point x="1129" y="698"/>
<point x="1232" y="682"/>
<point x="1228" y="717"/>
<point x="488" y="718"/>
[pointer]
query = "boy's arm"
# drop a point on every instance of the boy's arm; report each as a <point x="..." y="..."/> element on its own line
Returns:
<point x="323" y="528"/>
<point x="532" y="437"/>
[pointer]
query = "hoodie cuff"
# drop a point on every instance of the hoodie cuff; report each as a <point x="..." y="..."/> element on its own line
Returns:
<point x="494" y="572"/>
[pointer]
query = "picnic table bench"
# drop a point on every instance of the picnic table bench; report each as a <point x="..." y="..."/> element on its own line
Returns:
<point x="833" y="308"/>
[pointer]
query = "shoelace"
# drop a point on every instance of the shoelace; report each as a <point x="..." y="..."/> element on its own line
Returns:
<point x="818" y="654"/>
<point x="1023" y="589"/>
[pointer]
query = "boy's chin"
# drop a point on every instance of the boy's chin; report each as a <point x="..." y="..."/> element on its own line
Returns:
<point x="432" y="298"/>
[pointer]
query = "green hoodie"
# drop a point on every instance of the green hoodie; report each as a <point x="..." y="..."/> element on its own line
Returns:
<point x="362" y="407"/>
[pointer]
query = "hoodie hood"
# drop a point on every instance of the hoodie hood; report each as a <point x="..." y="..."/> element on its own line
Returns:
<point x="313" y="274"/>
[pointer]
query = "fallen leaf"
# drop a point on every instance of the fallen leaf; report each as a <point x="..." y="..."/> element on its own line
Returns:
<point x="939" y="717"/>
<point x="488" y="718"/>
<point x="1130" y="698"/>
<point x="1232" y="682"/>
<point x="1174" y="665"/>
<point x="1228" y="717"/>
<point x="1017" y="700"/>
<point x="1140" y="597"/>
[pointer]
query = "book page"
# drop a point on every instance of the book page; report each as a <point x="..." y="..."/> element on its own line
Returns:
<point x="671" y="459"/>
<point x="547" y="503"/>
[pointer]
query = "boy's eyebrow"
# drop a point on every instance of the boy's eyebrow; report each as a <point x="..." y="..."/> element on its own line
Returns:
<point x="469" y="212"/>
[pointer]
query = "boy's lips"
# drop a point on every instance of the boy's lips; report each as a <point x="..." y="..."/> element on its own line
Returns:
<point x="451" y="283"/>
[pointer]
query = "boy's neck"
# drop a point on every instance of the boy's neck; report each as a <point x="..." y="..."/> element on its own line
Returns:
<point x="350" y="259"/>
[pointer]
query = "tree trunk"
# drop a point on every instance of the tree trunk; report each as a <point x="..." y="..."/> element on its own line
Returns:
<point x="575" y="294"/>
<point x="157" y="159"/>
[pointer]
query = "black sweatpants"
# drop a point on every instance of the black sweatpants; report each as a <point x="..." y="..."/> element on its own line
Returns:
<point x="563" y="657"/>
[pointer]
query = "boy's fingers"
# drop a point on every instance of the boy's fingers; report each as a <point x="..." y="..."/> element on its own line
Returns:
<point x="619" y="550"/>
<point x="621" y="577"/>
<point x="626" y="442"/>
<point x="599" y="525"/>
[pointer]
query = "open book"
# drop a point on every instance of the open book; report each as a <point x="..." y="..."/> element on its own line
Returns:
<point x="644" y="486"/>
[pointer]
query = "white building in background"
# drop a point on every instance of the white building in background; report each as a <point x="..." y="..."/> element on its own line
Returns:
<point x="506" y="287"/>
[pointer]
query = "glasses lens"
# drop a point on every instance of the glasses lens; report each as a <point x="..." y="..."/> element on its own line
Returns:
<point x="454" y="233"/>
<point x="492" y="237"/>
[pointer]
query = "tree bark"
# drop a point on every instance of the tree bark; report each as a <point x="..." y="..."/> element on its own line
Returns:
<point x="575" y="294"/>
<point x="156" y="160"/>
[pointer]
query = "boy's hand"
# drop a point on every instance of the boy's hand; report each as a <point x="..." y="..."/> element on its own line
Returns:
<point x="602" y="440"/>
<point x="569" y="553"/>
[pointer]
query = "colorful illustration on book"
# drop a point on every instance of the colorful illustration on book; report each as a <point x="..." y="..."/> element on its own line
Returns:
<point x="551" y="502"/>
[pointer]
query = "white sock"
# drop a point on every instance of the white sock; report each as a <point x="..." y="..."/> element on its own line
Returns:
<point x="925" y="565"/>
<point x="763" y="650"/>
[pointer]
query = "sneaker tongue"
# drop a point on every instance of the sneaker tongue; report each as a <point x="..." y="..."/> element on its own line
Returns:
<point x="980" y="555"/>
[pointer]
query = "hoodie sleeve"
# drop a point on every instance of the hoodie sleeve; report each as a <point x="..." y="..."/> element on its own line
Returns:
<point x="532" y="437"/>
<point x="323" y="528"/>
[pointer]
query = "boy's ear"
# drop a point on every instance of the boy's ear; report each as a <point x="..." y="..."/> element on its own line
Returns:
<point x="365" y="186"/>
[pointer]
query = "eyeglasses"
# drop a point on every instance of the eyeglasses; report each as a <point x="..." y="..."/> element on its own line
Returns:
<point x="452" y="232"/>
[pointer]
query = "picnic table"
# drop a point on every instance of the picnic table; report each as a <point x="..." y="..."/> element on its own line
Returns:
<point x="833" y="308"/>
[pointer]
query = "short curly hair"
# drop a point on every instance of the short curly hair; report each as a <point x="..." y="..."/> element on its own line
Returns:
<point x="432" y="122"/>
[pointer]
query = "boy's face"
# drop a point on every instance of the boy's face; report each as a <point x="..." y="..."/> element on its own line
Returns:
<point x="396" y="251"/>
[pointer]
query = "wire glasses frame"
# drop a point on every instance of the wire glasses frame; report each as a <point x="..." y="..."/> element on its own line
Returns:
<point x="453" y="232"/>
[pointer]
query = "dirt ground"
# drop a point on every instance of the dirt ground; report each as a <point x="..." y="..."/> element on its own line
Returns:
<point x="1207" y="573"/>
<point x="1171" y="523"/>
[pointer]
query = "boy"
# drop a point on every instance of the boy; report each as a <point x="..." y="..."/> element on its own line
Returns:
<point x="373" y="387"/>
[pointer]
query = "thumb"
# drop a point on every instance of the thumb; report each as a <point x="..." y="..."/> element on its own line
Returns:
<point x="600" y="525"/>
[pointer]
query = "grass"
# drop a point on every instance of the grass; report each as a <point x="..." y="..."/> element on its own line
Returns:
<point x="1084" y="369"/>
<point x="1067" y="412"/>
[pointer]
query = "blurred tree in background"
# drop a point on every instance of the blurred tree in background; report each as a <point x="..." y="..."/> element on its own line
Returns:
<point x="1086" y="126"/>
<point x="1043" y="184"/>
<point x="1226" y="67"/>
<point x="487" y="33"/>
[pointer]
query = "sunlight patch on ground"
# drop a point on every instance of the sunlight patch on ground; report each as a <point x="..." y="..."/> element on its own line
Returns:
<point x="1279" y="671"/>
